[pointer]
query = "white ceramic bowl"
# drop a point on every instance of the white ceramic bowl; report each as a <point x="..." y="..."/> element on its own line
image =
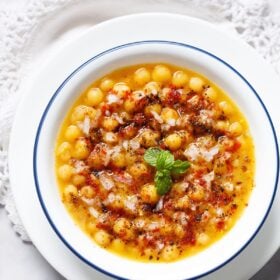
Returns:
<point x="218" y="71"/>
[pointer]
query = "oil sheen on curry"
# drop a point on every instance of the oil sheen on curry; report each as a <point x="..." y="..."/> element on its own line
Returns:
<point x="154" y="162"/>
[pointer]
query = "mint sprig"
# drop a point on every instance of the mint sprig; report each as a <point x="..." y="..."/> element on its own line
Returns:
<point x="166" y="166"/>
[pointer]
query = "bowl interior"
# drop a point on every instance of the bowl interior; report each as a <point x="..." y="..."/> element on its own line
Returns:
<point x="221" y="74"/>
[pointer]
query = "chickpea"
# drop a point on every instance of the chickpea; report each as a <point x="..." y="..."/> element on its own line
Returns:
<point x="130" y="158"/>
<point x="152" y="108"/>
<point x="132" y="250"/>
<point x="198" y="194"/>
<point x="196" y="84"/>
<point x="102" y="238"/>
<point x="226" y="107"/>
<point x="119" y="160"/>
<point x="170" y="252"/>
<point x="168" y="114"/>
<point x="78" y="180"/>
<point x="179" y="230"/>
<point x="118" y="244"/>
<point x="69" y="192"/>
<point x="81" y="150"/>
<point x="130" y="105"/>
<point x="106" y="84"/>
<point x="142" y="76"/>
<point x="149" y="194"/>
<point x="123" y="228"/>
<point x="179" y="187"/>
<point x="129" y="131"/>
<point x="242" y="140"/>
<point x="236" y="163"/>
<point x="210" y="93"/>
<point x="72" y="132"/>
<point x="110" y="138"/>
<point x="185" y="136"/>
<point x="161" y="74"/>
<point x="167" y="229"/>
<point x="94" y="96"/>
<point x="81" y="111"/>
<point x="87" y="192"/>
<point x="125" y="116"/>
<point x="180" y="79"/>
<point x="91" y="226"/>
<point x="163" y="95"/>
<point x="203" y="238"/>
<point x="95" y="160"/>
<point x="138" y="169"/>
<point x="183" y="202"/>
<point x="65" y="172"/>
<point x="64" y="151"/>
<point x="149" y="138"/>
<point x="173" y="141"/>
<point x="235" y="128"/>
<point x="121" y="89"/>
<point x="222" y="125"/>
<point x="118" y="203"/>
<point x="109" y="123"/>
<point x="152" y="88"/>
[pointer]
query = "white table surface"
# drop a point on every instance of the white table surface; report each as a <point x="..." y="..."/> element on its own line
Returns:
<point x="20" y="260"/>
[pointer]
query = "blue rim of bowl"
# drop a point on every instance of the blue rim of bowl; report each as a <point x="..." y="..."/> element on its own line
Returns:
<point x="73" y="250"/>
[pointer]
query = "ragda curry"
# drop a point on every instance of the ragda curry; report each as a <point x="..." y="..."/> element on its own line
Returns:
<point x="154" y="162"/>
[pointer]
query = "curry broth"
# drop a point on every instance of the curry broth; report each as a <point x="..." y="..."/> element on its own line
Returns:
<point x="237" y="190"/>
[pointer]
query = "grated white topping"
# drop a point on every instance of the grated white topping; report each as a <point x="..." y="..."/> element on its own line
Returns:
<point x="79" y="166"/>
<point x="160" y="245"/>
<point x="138" y="95"/>
<point x="208" y="155"/>
<point x="159" y="205"/>
<point x="111" y="197"/>
<point x="140" y="223"/>
<point x="219" y="212"/>
<point x="208" y="178"/>
<point x="229" y="187"/>
<point x="93" y="212"/>
<point x="157" y="117"/>
<point x="171" y="122"/>
<point x="131" y="202"/>
<point x="125" y="144"/>
<point x="88" y="201"/>
<point x="85" y="125"/>
<point x="125" y="178"/>
<point x="107" y="157"/>
<point x="96" y="119"/>
<point x="110" y="137"/>
<point x="106" y="181"/>
<point x="118" y="118"/>
<point x="154" y="92"/>
<point x="194" y="100"/>
<point x="193" y="152"/>
<point x="134" y="144"/>
<point x="112" y="98"/>
<point x="154" y="225"/>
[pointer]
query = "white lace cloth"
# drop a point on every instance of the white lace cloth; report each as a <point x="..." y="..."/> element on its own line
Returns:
<point x="26" y="37"/>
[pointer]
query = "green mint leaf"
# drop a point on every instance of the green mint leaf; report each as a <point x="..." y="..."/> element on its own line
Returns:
<point x="165" y="165"/>
<point x="165" y="160"/>
<point x="180" y="167"/>
<point x="163" y="182"/>
<point x="151" y="156"/>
